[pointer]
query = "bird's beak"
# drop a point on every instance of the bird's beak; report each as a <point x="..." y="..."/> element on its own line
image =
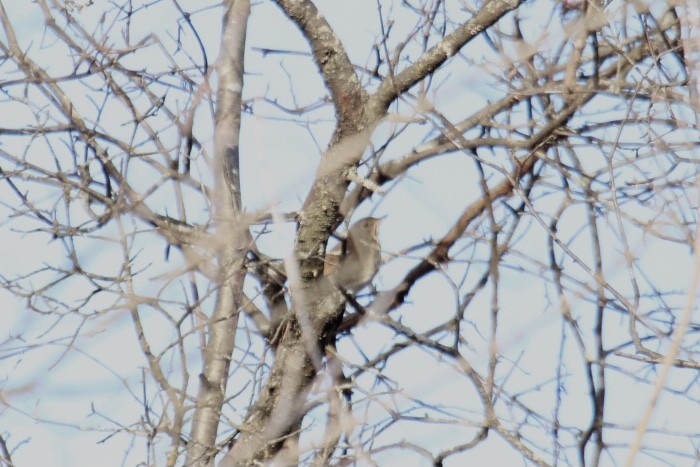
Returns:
<point x="378" y="223"/>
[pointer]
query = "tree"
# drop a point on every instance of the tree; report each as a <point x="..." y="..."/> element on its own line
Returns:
<point x="534" y="165"/>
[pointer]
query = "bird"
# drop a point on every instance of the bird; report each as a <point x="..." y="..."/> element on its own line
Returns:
<point x="363" y="256"/>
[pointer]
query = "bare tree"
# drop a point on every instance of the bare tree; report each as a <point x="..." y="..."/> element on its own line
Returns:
<point x="167" y="217"/>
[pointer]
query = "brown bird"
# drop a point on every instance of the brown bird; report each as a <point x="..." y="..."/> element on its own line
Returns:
<point x="362" y="258"/>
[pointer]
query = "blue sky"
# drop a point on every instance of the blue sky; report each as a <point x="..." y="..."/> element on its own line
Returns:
<point x="66" y="402"/>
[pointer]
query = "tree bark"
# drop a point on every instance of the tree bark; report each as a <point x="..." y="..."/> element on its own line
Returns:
<point x="231" y="239"/>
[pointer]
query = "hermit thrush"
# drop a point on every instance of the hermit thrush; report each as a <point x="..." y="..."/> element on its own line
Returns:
<point x="362" y="258"/>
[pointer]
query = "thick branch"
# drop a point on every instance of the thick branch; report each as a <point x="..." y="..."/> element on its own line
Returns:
<point x="395" y="85"/>
<point x="329" y="54"/>
<point x="280" y="406"/>
<point x="231" y="237"/>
